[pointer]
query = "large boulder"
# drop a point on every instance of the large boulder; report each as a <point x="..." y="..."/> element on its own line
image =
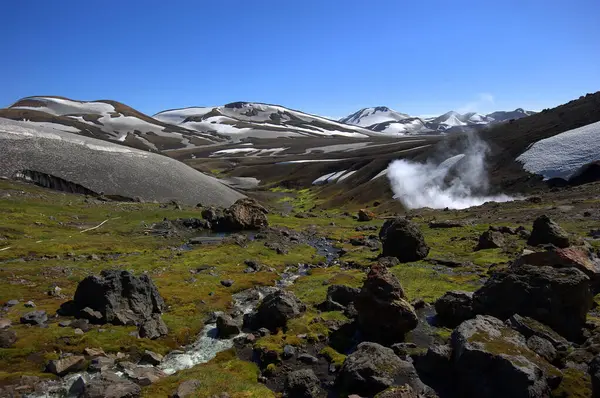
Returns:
<point x="36" y="318"/>
<point x="120" y="298"/>
<point x="557" y="297"/>
<point x="302" y="383"/>
<point x="372" y="368"/>
<point x="490" y="240"/>
<point x="110" y="385"/>
<point x="454" y="307"/>
<point x="153" y="327"/>
<point x="493" y="360"/>
<point x="529" y="327"/>
<point x="594" y="370"/>
<point x="227" y="326"/>
<point x="244" y="214"/>
<point x="339" y="297"/>
<point x="275" y="310"/>
<point x="564" y="258"/>
<point x="384" y="315"/>
<point x="61" y="367"/>
<point x="365" y="215"/>
<point x="403" y="239"/>
<point x="546" y="231"/>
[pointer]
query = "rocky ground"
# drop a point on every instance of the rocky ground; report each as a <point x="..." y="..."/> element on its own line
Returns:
<point x="103" y="298"/>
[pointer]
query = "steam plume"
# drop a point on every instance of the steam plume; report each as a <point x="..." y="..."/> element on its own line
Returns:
<point x="458" y="182"/>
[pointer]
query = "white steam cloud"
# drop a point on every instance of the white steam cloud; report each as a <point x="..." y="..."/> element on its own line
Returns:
<point x="458" y="182"/>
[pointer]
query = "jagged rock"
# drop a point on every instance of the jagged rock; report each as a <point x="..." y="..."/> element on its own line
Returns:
<point x="373" y="368"/>
<point x="227" y="326"/>
<point x="93" y="316"/>
<point x="308" y="359"/>
<point x="365" y="215"/>
<point x="490" y="240"/>
<point x="144" y="376"/>
<point x="492" y="360"/>
<point x="61" y="367"/>
<point x="388" y="262"/>
<point x="339" y="297"/>
<point x="244" y="214"/>
<point x="101" y="363"/>
<point x="152" y="358"/>
<point x="302" y="384"/>
<point x="543" y="348"/>
<point x="94" y="352"/>
<point x="35" y="318"/>
<point x="454" y="307"/>
<point x="187" y="388"/>
<point x="547" y="231"/>
<point x="402" y="239"/>
<point x="5" y="323"/>
<point x="275" y="310"/>
<point x="153" y="328"/>
<point x="383" y="313"/>
<point x="78" y="387"/>
<point x="564" y="258"/>
<point x="82" y="324"/>
<point x="557" y="297"/>
<point x="402" y="349"/>
<point x="436" y="361"/>
<point x="8" y="337"/>
<point x="530" y="327"/>
<point x="109" y="385"/>
<point x="121" y="297"/>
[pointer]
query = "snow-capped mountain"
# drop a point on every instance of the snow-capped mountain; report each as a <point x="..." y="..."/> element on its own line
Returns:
<point x="390" y="122"/>
<point x="239" y="120"/>
<point x="107" y="120"/>
<point x="368" y="117"/>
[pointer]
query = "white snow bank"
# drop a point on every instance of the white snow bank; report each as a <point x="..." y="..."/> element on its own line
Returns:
<point x="563" y="154"/>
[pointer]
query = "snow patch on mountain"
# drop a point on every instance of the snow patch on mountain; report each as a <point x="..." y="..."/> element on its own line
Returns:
<point x="562" y="155"/>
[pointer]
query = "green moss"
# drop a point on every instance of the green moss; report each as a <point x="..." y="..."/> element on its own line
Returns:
<point x="333" y="356"/>
<point x="312" y="289"/>
<point x="575" y="384"/>
<point x="225" y="373"/>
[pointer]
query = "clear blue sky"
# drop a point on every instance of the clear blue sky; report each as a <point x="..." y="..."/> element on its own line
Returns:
<point x="321" y="56"/>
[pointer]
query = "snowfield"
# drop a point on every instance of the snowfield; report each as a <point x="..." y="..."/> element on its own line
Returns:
<point x="562" y="155"/>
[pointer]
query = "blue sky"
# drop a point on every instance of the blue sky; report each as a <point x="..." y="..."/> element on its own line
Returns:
<point x="329" y="57"/>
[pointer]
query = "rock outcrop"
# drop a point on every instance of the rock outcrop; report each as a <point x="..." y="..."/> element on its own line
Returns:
<point x="384" y="314"/>
<point x="403" y="239"/>
<point x="490" y="360"/>
<point x="244" y="214"/>
<point x="373" y="368"/>
<point x="454" y="307"/>
<point x="546" y="231"/>
<point x="275" y="310"/>
<point x="557" y="297"/>
<point x="490" y="240"/>
<point x="120" y="298"/>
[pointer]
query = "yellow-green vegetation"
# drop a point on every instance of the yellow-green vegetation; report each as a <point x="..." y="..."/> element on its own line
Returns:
<point x="313" y="289"/>
<point x="225" y="373"/>
<point x="333" y="356"/>
<point x="301" y="200"/>
<point x="574" y="384"/>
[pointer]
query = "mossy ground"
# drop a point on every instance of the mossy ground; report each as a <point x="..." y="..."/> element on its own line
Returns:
<point x="42" y="245"/>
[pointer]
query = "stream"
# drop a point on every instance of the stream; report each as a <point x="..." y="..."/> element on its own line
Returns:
<point x="207" y="344"/>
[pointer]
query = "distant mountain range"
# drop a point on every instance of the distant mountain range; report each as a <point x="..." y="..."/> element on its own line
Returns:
<point x="384" y="120"/>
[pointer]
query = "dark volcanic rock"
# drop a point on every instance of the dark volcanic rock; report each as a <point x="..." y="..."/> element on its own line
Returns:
<point x="339" y="297"/>
<point x="227" y="326"/>
<point x="543" y="348"/>
<point x="8" y="337"/>
<point x="384" y="315"/>
<point x="564" y="258"/>
<point x="110" y="385"/>
<point x="594" y="370"/>
<point x="547" y="231"/>
<point x="529" y="327"/>
<point x="35" y="318"/>
<point x="454" y="307"/>
<point x="402" y="239"/>
<point x="187" y="388"/>
<point x="153" y="328"/>
<point x="275" y="310"/>
<point x="244" y="214"/>
<point x="492" y="360"/>
<point x="61" y="367"/>
<point x="365" y="215"/>
<point x="559" y="298"/>
<point x="490" y="240"/>
<point x="373" y="368"/>
<point x="302" y="383"/>
<point x="404" y="391"/>
<point x="121" y="298"/>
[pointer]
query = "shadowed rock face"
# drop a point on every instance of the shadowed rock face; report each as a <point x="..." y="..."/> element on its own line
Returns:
<point x="403" y="239"/>
<point x="104" y="167"/>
